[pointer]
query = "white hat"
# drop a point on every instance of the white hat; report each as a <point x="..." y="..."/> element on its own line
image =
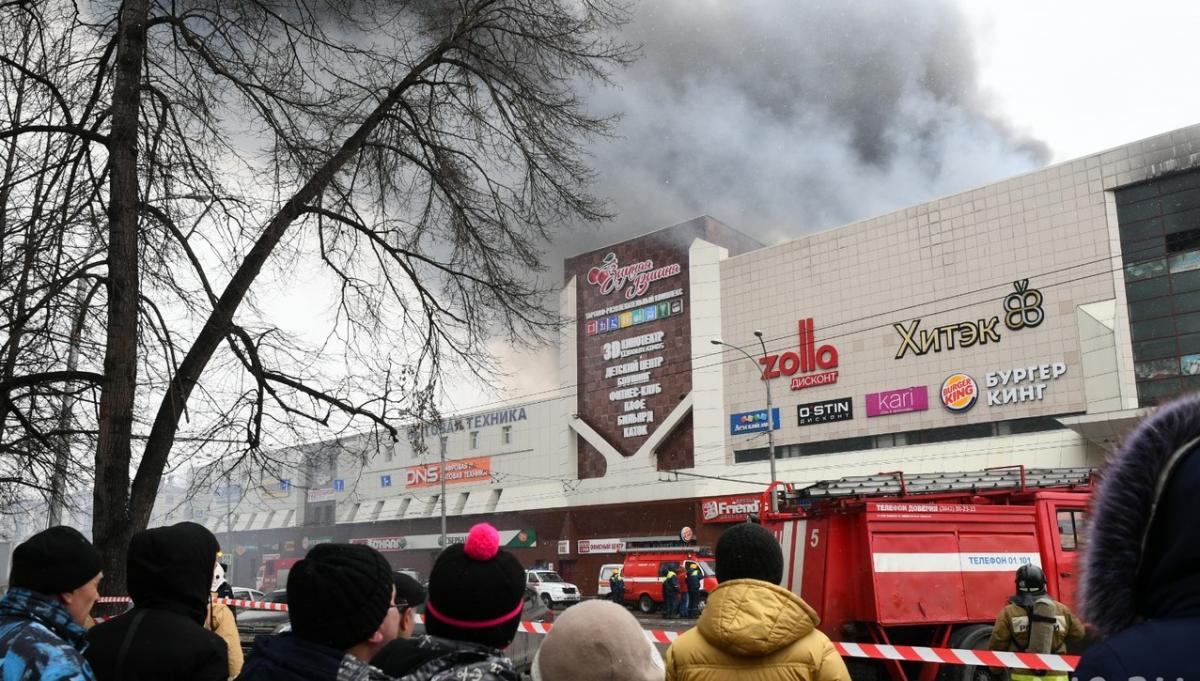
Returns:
<point x="597" y="640"/>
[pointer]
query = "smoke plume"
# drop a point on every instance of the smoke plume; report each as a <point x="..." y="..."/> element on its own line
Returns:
<point x="782" y="117"/>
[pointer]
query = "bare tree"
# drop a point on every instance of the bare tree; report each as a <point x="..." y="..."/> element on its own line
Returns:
<point x="173" y="164"/>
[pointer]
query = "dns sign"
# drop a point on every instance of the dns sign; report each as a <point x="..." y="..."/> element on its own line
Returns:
<point x="418" y="476"/>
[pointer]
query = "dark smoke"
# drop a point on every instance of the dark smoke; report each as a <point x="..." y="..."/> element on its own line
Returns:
<point x="780" y="117"/>
<point x="783" y="117"/>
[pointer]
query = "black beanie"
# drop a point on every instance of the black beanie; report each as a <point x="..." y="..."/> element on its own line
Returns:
<point x="54" y="561"/>
<point x="749" y="551"/>
<point x="476" y="591"/>
<point x="409" y="592"/>
<point x="339" y="594"/>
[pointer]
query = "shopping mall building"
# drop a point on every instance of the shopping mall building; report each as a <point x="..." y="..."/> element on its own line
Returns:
<point x="1026" y="322"/>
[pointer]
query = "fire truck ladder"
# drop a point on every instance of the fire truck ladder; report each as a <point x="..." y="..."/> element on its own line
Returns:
<point x="897" y="484"/>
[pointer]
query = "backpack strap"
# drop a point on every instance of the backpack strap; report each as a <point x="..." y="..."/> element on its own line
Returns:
<point x="133" y="627"/>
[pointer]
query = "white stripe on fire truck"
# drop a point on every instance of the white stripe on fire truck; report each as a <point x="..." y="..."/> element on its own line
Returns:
<point x="974" y="561"/>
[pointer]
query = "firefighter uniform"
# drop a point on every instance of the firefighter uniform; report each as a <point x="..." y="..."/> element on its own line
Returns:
<point x="617" y="585"/>
<point x="670" y="591"/>
<point x="1011" y="633"/>
<point x="692" y="570"/>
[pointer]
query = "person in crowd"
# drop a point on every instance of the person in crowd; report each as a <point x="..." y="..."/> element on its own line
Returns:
<point x="752" y="627"/>
<point x="1034" y="622"/>
<point x="169" y="570"/>
<point x="691" y="605"/>
<point x="476" y="595"/>
<point x="222" y="587"/>
<point x="1141" y="576"/>
<point x="221" y="621"/>
<point x="597" y="641"/>
<point x="616" y="585"/>
<point x="342" y="607"/>
<point x="410" y="595"/>
<point x="53" y="584"/>
<point x="670" y="592"/>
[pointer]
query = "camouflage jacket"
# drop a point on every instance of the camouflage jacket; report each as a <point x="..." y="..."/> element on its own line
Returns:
<point x="461" y="661"/>
<point x="39" y="641"/>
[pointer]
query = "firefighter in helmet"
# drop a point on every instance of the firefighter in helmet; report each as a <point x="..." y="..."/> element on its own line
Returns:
<point x="616" y="583"/>
<point x="1032" y="622"/>
<point x="670" y="592"/>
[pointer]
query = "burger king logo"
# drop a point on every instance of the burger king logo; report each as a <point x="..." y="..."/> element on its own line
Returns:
<point x="959" y="393"/>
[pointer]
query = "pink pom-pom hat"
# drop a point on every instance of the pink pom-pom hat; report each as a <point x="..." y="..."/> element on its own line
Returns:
<point x="483" y="542"/>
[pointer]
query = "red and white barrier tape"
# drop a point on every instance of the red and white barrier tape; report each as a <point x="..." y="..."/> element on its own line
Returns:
<point x="988" y="658"/>
<point x="872" y="651"/>
<point x="235" y="602"/>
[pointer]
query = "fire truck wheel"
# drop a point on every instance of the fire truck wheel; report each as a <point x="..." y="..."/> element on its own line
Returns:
<point x="646" y="604"/>
<point x="974" y="637"/>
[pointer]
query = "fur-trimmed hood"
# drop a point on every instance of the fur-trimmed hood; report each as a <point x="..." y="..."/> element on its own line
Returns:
<point x="1134" y="569"/>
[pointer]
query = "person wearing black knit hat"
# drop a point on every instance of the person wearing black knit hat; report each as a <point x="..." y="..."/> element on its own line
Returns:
<point x="751" y="626"/>
<point x="476" y="594"/>
<point x="52" y="587"/>
<point x="343" y="610"/>
<point x="1141" y="564"/>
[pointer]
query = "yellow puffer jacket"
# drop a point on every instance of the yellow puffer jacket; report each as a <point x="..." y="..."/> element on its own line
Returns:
<point x="220" y="620"/>
<point x="755" y="631"/>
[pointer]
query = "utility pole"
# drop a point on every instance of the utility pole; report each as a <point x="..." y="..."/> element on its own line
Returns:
<point x="229" y="525"/>
<point x="770" y="406"/>
<point x="442" y="478"/>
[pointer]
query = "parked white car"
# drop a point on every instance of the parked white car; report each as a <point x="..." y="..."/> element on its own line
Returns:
<point x="551" y="588"/>
<point x="245" y="594"/>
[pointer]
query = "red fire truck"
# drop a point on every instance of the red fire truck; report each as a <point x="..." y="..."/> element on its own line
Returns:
<point x="926" y="560"/>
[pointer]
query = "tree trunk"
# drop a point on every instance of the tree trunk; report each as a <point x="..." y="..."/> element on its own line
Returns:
<point x="111" y="526"/>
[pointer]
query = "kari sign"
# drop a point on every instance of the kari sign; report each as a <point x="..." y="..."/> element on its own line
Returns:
<point x="898" y="401"/>
<point x="732" y="509"/>
<point x="753" y="422"/>
<point x="587" y="546"/>
<point x="457" y="471"/>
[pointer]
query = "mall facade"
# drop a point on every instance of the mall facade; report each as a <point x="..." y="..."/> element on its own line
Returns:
<point x="1026" y="322"/>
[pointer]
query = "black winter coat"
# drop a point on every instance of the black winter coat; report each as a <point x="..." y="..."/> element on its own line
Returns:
<point x="170" y="572"/>
<point x="1141" y="580"/>
<point x="287" y="658"/>
<point x="429" y="658"/>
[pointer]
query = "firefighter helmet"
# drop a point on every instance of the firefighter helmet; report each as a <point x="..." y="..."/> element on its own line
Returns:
<point x="1031" y="579"/>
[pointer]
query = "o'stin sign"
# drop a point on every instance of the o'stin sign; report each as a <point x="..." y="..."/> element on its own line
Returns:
<point x="959" y="393"/>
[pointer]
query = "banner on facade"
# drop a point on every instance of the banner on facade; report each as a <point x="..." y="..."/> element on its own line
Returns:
<point x="731" y="509"/>
<point x="509" y="539"/>
<point x="458" y="471"/>
<point x="588" y="546"/>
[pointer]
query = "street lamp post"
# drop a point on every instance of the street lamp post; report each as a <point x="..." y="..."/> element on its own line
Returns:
<point x="770" y="411"/>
